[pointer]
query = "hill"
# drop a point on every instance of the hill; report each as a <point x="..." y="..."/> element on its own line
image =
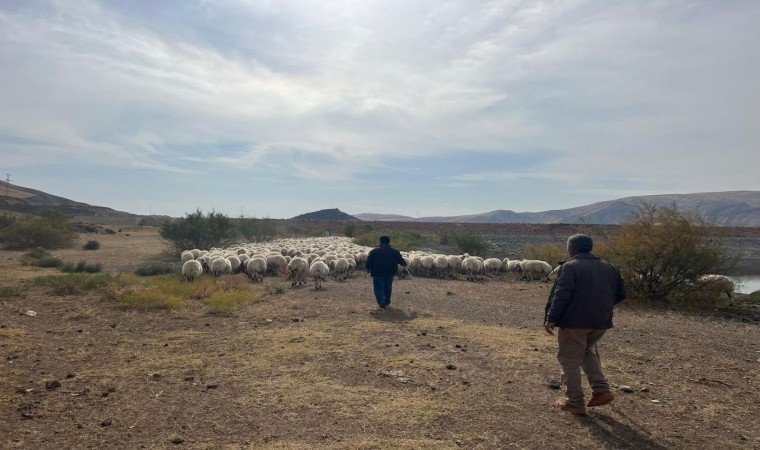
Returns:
<point x="30" y="201"/>
<point x="326" y="214"/>
<point x="733" y="208"/>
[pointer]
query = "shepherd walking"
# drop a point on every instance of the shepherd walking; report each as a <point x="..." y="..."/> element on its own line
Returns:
<point x="580" y="305"/>
<point x="382" y="263"/>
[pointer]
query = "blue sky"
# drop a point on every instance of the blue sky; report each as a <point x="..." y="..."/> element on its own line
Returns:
<point x="276" y="108"/>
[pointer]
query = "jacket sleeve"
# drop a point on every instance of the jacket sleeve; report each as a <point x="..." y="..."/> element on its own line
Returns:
<point x="370" y="261"/>
<point x="400" y="259"/>
<point x="561" y="296"/>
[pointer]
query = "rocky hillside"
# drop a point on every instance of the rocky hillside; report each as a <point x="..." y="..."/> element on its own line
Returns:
<point x="734" y="209"/>
<point x="30" y="201"/>
<point x="326" y="214"/>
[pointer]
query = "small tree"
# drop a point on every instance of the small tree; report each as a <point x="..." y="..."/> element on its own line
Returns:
<point x="471" y="243"/>
<point x="256" y="230"/>
<point x="662" y="251"/>
<point x="51" y="230"/>
<point x="199" y="230"/>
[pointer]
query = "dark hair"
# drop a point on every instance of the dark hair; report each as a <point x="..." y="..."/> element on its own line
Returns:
<point x="581" y="243"/>
<point x="385" y="240"/>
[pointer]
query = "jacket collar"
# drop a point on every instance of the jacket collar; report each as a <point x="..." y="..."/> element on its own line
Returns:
<point x="585" y="256"/>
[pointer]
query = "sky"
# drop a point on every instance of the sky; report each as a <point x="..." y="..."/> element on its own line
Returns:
<point x="275" y="108"/>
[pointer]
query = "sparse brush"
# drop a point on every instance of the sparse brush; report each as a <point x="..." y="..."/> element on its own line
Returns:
<point x="279" y="290"/>
<point x="9" y="291"/>
<point x="156" y="268"/>
<point x="80" y="267"/>
<point x="49" y="261"/>
<point x="91" y="245"/>
<point x="73" y="284"/>
<point x="37" y="253"/>
<point x="227" y="303"/>
<point x="235" y="282"/>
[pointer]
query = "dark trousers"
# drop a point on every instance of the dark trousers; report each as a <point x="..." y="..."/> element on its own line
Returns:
<point x="383" y="285"/>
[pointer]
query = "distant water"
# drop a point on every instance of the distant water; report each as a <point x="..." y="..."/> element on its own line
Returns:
<point x="748" y="284"/>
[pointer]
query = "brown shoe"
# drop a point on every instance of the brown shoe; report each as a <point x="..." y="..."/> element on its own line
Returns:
<point x="565" y="405"/>
<point x="600" y="398"/>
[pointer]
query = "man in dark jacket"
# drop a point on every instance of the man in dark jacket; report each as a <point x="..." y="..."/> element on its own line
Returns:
<point x="580" y="305"/>
<point x="382" y="263"/>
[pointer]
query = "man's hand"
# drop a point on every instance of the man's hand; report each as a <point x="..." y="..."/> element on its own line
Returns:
<point x="549" y="327"/>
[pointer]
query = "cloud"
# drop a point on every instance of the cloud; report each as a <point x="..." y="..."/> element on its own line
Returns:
<point x="586" y="98"/>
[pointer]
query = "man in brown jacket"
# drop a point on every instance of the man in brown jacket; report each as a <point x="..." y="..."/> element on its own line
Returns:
<point x="580" y="305"/>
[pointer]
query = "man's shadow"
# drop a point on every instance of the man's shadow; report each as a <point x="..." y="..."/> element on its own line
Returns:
<point x="392" y="314"/>
<point x="616" y="435"/>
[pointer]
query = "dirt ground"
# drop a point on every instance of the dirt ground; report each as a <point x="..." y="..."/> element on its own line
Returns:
<point x="452" y="364"/>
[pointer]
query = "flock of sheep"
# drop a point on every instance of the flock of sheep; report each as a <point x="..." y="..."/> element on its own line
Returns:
<point x="339" y="257"/>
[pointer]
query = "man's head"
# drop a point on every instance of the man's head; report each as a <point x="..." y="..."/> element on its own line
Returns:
<point x="385" y="240"/>
<point x="579" y="243"/>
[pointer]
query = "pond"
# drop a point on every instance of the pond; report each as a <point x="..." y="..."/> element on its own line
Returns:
<point x="747" y="284"/>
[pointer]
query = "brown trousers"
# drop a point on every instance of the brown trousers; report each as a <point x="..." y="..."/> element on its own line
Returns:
<point x="577" y="348"/>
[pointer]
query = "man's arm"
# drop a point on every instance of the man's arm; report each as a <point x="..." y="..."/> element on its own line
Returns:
<point x="562" y="296"/>
<point x="400" y="259"/>
<point x="370" y="261"/>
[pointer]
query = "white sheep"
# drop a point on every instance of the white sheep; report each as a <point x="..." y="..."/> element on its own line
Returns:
<point x="298" y="268"/>
<point x="319" y="271"/>
<point x="719" y="283"/>
<point x="441" y="266"/>
<point x="340" y="268"/>
<point x="427" y="265"/>
<point x="455" y="265"/>
<point x="492" y="266"/>
<point x="256" y="267"/>
<point x="220" y="266"/>
<point x="473" y="267"/>
<point x="192" y="269"/>
<point x="512" y="266"/>
<point x="234" y="263"/>
<point x="186" y="256"/>
<point x="534" y="269"/>
<point x="415" y="265"/>
<point x="276" y="263"/>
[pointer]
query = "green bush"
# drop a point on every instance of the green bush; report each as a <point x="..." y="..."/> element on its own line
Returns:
<point x="350" y="229"/>
<point x="401" y="240"/>
<point x="52" y="230"/>
<point x="467" y="242"/>
<point x="255" y="230"/>
<point x="199" y="230"/>
<point x="49" y="261"/>
<point x="73" y="284"/>
<point x="9" y="291"/>
<point x="37" y="253"/>
<point x="6" y="220"/>
<point x="91" y="245"/>
<point x="156" y="268"/>
<point x="662" y="251"/>
<point x="80" y="267"/>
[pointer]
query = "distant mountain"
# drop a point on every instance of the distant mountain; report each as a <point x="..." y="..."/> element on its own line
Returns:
<point x="29" y="201"/>
<point x="327" y="214"/>
<point x="734" y="208"/>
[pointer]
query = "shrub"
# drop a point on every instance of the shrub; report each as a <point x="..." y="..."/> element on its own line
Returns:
<point x="227" y="302"/>
<point x="91" y="245"/>
<point x="156" y="268"/>
<point x="256" y="230"/>
<point x="350" y="229"/>
<point x="199" y="230"/>
<point x="80" y="267"/>
<point x="551" y="253"/>
<point x="6" y="220"/>
<point x="37" y="253"/>
<point x="52" y="230"/>
<point x="467" y="242"/>
<point x="662" y="251"/>
<point x="402" y="240"/>
<point x="49" y="261"/>
<point x="73" y="284"/>
<point x="9" y="291"/>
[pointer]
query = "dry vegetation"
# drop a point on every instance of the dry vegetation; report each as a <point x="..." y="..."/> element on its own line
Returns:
<point x="452" y="365"/>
